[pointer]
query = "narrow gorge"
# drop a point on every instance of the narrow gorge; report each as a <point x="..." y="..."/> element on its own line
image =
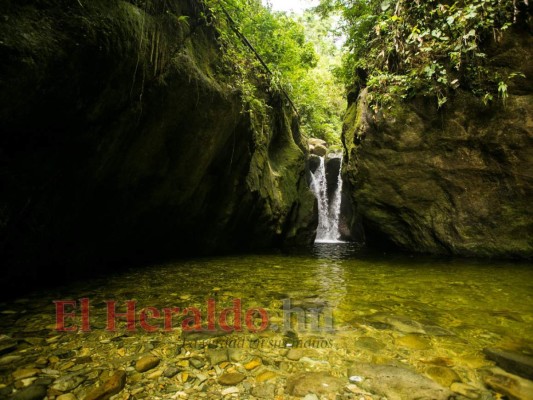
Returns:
<point x="266" y="199"/>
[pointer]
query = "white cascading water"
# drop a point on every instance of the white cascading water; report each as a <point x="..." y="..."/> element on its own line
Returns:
<point x="328" y="214"/>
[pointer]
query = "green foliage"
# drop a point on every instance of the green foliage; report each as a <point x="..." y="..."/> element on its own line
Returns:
<point x="183" y="19"/>
<point x="239" y="63"/>
<point x="415" y="47"/>
<point x="320" y="95"/>
<point x="298" y="51"/>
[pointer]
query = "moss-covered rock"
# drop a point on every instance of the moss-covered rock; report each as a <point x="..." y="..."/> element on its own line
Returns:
<point x="449" y="181"/>
<point x="123" y="136"/>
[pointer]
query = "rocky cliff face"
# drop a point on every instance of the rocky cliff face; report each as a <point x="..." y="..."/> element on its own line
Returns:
<point x="451" y="181"/>
<point x="123" y="136"/>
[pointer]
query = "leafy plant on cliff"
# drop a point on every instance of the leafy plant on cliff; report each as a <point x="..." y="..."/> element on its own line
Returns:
<point x="400" y="48"/>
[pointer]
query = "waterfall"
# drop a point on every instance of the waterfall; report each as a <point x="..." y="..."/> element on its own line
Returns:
<point x="328" y="212"/>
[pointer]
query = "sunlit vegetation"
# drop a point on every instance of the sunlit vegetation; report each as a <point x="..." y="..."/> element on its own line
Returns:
<point x="400" y="48"/>
<point x="300" y="54"/>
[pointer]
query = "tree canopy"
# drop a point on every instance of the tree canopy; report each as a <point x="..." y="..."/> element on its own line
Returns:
<point x="395" y="48"/>
<point x="401" y="48"/>
<point x="298" y="50"/>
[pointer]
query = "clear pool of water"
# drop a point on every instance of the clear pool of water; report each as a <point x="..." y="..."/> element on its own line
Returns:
<point x="379" y="308"/>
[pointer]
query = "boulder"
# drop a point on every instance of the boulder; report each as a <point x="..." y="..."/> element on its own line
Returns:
<point x="317" y="142"/>
<point x="318" y="147"/>
<point x="318" y="150"/>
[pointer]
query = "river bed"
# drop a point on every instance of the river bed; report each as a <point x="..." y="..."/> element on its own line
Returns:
<point x="312" y="325"/>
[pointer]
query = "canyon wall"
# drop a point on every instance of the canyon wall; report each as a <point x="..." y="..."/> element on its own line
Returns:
<point x="453" y="181"/>
<point x="125" y="138"/>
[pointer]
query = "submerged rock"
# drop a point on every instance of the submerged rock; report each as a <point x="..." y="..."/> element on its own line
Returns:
<point x="112" y="386"/>
<point x="442" y="375"/>
<point x="295" y="354"/>
<point x="264" y="391"/>
<point x="469" y="391"/>
<point x="170" y="372"/>
<point x="405" y="325"/>
<point x="515" y="387"/>
<point x="7" y="344"/>
<point x="197" y="363"/>
<point x="370" y="343"/>
<point x="231" y="379"/>
<point x="10" y="359"/>
<point x="266" y="376"/>
<point x="318" y="383"/>
<point x="216" y="356"/>
<point x="253" y="364"/>
<point x="25" y="373"/>
<point x="33" y="392"/>
<point x="68" y="396"/>
<point x="414" y="342"/>
<point x="147" y="363"/>
<point x="397" y="383"/>
<point x="512" y="362"/>
<point x="68" y="382"/>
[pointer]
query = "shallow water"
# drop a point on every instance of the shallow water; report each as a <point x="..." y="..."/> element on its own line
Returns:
<point x="417" y="311"/>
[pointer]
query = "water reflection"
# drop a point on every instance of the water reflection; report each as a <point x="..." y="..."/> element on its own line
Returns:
<point x="336" y="251"/>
